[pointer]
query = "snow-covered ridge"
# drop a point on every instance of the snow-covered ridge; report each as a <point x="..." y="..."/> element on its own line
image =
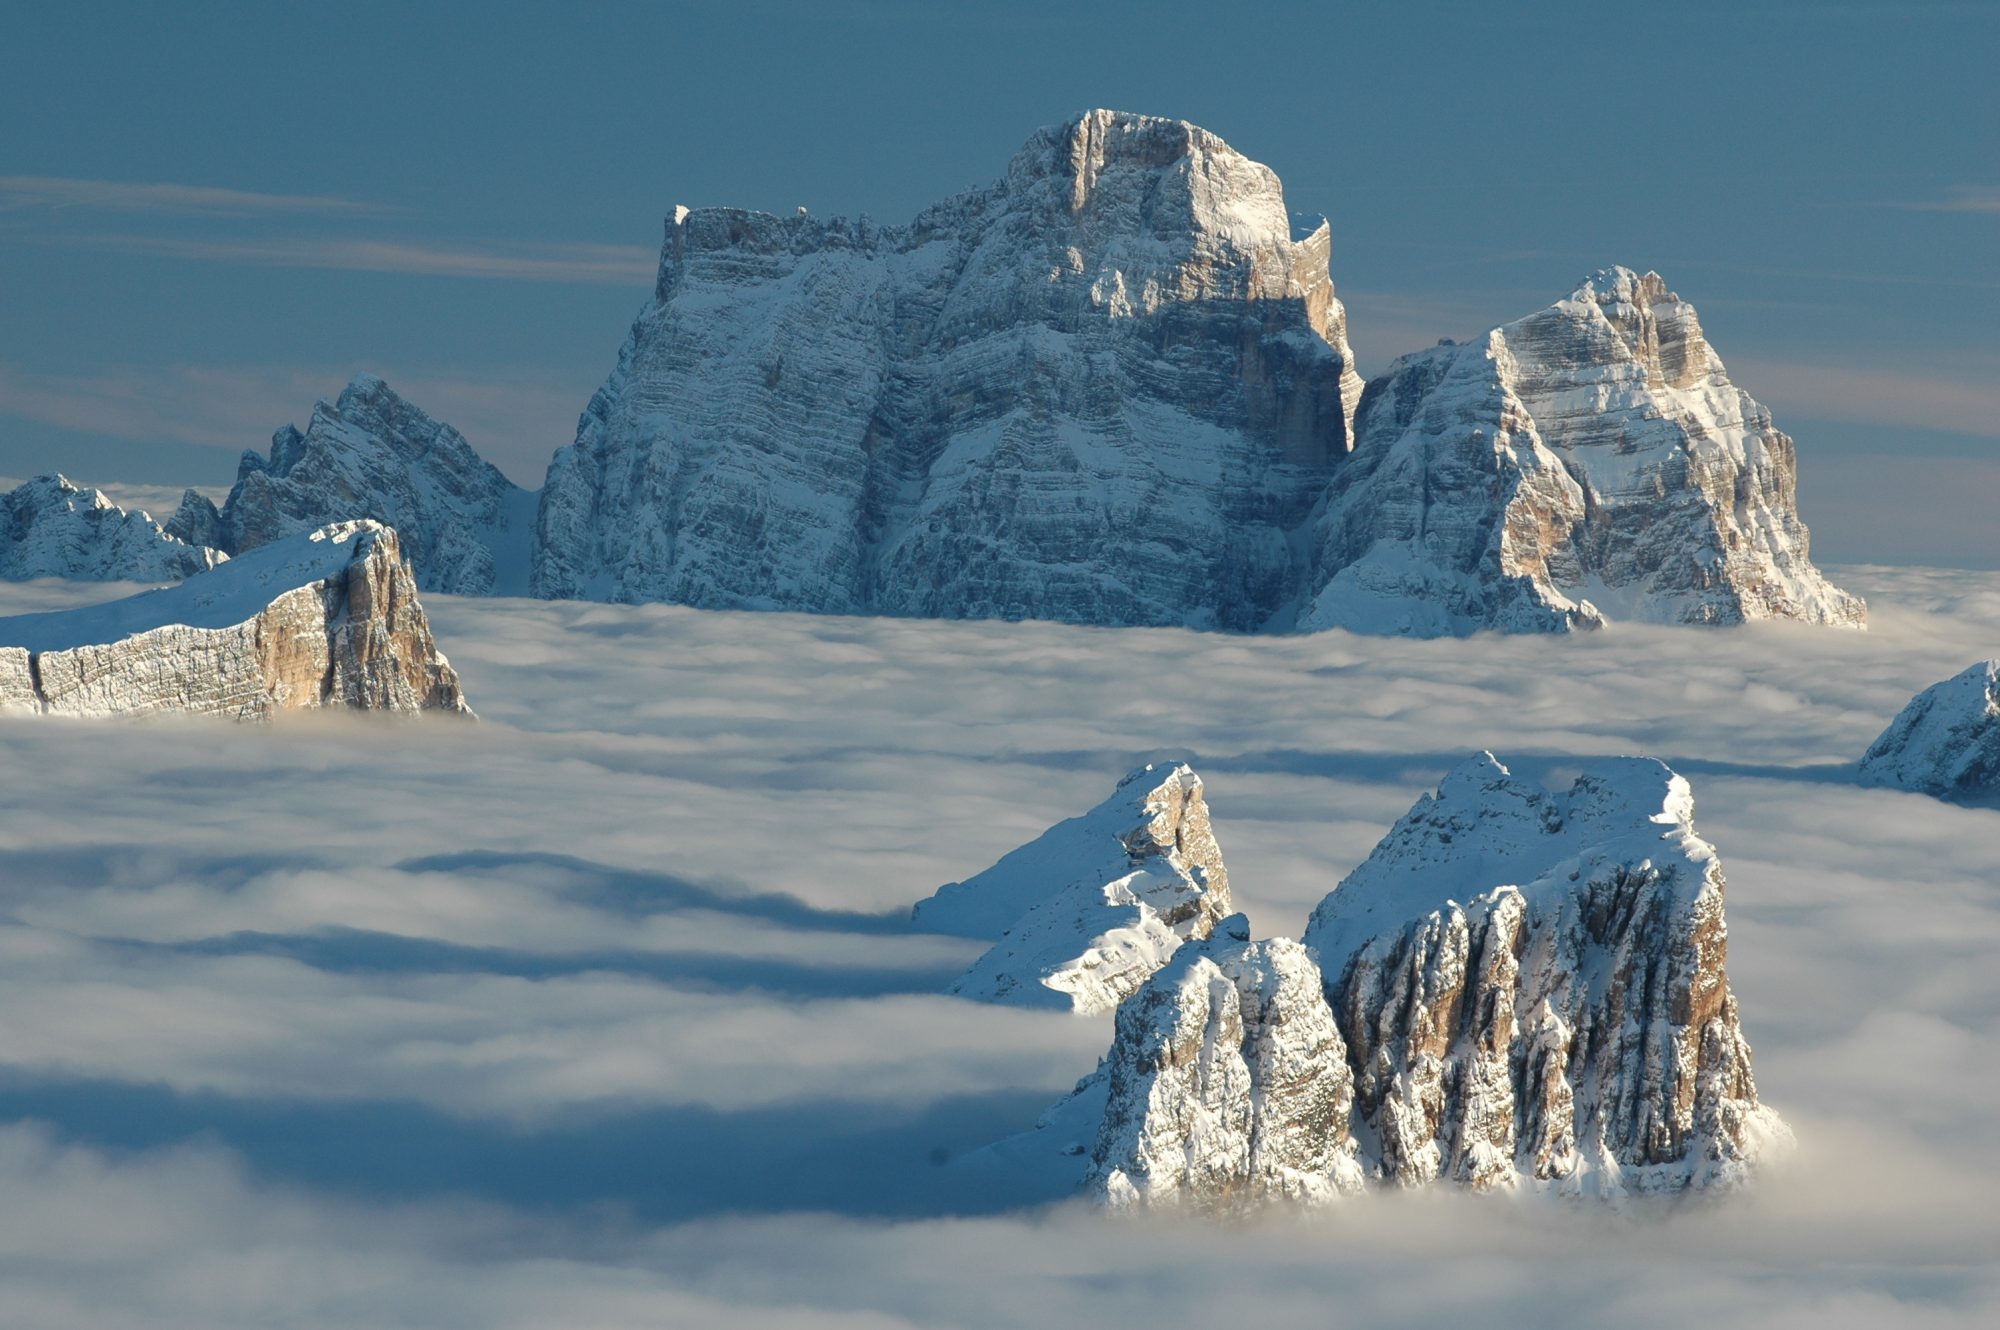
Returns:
<point x="1589" y="462"/>
<point x="52" y="528"/>
<point x="372" y="455"/>
<point x="1086" y="912"/>
<point x="1946" y="742"/>
<point x="328" y="618"/>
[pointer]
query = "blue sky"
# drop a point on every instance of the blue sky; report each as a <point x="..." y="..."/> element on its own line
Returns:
<point x="211" y="215"/>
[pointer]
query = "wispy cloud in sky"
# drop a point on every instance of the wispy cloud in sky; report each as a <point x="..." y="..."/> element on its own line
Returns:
<point x="609" y="265"/>
<point x="29" y="191"/>
<point x="1960" y="198"/>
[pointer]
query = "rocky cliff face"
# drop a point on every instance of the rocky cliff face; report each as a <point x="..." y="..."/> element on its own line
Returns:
<point x="1227" y="1084"/>
<point x="1946" y="742"/>
<point x="1532" y="989"/>
<point x="329" y="618"/>
<point x="1107" y="389"/>
<point x="372" y="455"/>
<point x="51" y="528"/>
<point x="1590" y="461"/>
<point x="1085" y="913"/>
<point x="1518" y="989"/>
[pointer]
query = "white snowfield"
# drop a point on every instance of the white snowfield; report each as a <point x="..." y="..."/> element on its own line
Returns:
<point x="1946" y="742"/>
<point x="1087" y="911"/>
<point x="1518" y="989"/>
<point x="325" y="618"/>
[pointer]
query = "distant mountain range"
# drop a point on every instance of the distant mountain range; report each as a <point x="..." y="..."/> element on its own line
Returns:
<point x="1114" y="387"/>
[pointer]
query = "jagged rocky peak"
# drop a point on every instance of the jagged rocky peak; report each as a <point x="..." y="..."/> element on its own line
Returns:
<point x="1105" y="389"/>
<point x="1086" y="912"/>
<point x="1227" y="1084"/>
<point x="1946" y="742"/>
<point x="1531" y="985"/>
<point x="372" y="455"/>
<point x="52" y="528"/>
<point x="328" y="618"/>
<point x="1590" y="461"/>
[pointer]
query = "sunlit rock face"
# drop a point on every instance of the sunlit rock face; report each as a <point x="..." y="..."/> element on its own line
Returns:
<point x="325" y="619"/>
<point x="1532" y="989"/>
<point x="371" y="455"/>
<point x="1085" y="913"/>
<point x="1519" y="989"/>
<point x="1591" y="461"/>
<point x="51" y="528"/>
<point x="1946" y="742"/>
<point x="1227" y="1084"/>
<point x="1108" y="389"/>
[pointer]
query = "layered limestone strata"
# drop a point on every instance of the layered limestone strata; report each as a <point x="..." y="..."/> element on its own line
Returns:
<point x="1519" y="989"/>
<point x="1946" y="742"/>
<point x="1591" y="461"/>
<point x="1086" y="912"/>
<point x="1106" y="389"/>
<point x="329" y="618"/>
<point x="51" y="528"/>
<point x="466" y="528"/>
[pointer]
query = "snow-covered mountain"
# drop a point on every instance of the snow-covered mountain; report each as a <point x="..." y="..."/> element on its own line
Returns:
<point x="1590" y="461"/>
<point x="327" y="618"/>
<point x="51" y="528"/>
<point x="1086" y="912"/>
<point x="1108" y="388"/>
<point x="1519" y="988"/>
<point x="1946" y="742"/>
<point x="466" y="528"/>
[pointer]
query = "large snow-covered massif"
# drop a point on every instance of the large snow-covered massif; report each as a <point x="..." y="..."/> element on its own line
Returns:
<point x="1590" y="461"/>
<point x="51" y="528"/>
<point x="306" y="1028"/>
<point x="370" y="455"/>
<point x="1087" y="911"/>
<point x="328" y="618"/>
<point x="1106" y="389"/>
<point x="1946" y="742"/>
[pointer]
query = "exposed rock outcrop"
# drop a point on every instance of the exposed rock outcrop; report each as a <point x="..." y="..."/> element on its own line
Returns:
<point x="329" y="618"/>
<point x="1590" y="461"/>
<point x="1946" y="742"/>
<point x="1106" y="389"/>
<point x="1518" y="989"/>
<point x="1085" y="913"/>
<point x="51" y="528"/>
<point x="466" y="528"/>
<point x="1227" y="1084"/>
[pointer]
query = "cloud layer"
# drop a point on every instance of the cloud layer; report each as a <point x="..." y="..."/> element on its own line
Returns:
<point x="602" y="1012"/>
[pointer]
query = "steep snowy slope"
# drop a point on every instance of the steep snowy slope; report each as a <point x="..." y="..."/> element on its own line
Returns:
<point x="1590" y="461"/>
<point x="371" y="455"/>
<point x="1105" y="389"/>
<point x="325" y="619"/>
<point x="1946" y="742"/>
<point x="51" y="528"/>
<point x="1087" y="911"/>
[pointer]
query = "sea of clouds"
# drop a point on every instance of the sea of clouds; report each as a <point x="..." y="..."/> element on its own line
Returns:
<point x="602" y="1012"/>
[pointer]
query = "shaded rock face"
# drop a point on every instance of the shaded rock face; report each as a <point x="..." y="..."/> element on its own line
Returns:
<point x="1088" y="911"/>
<point x="1227" y="1084"/>
<point x="1590" y="461"/>
<point x="326" y="619"/>
<point x="1946" y="742"/>
<point x="51" y="528"/>
<point x="1106" y="389"/>
<point x="1532" y="989"/>
<point x="371" y="455"/>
